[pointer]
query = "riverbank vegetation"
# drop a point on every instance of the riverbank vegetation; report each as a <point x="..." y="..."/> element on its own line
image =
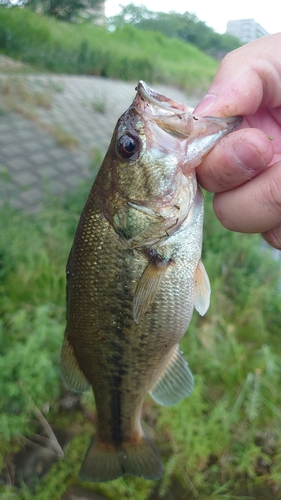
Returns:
<point x="186" y="27"/>
<point x="221" y="442"/>
<point x="126" y="53"/>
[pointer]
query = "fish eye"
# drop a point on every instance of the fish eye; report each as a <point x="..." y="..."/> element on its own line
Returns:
<point x="128" y="145"/>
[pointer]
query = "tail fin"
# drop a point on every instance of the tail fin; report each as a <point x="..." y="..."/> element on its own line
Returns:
<point x="106" y="463"/>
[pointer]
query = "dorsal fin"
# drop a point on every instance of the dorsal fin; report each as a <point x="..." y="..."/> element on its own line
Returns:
<point x="148" y="285"/>
<point x="202" y="289"/>
<point x="71" y="373"/>
<point x="175" y="382"/>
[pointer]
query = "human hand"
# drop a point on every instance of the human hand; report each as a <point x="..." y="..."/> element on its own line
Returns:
<point x="244" y="169"/>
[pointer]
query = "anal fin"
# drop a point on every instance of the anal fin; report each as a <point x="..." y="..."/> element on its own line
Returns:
<point x="175" y="382"/>
<point x="71" y="373"/>
<point x="148" y="285"/>
<point x="202" y="289"/>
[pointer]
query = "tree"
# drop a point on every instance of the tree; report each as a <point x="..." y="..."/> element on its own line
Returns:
<point x="67" y="10"/>
<point x="185" y="26"/>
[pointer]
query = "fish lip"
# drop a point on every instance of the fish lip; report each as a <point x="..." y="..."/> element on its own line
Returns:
<point x="172" y="117"/>
<point x="154" y="98"/>
<point x="163" y="110"/>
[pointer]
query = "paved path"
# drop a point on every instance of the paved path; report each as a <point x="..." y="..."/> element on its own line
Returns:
<point x="83" y="110"/>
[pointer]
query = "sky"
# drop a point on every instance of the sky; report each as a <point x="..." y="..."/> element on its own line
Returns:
<point x="215" y="13"/>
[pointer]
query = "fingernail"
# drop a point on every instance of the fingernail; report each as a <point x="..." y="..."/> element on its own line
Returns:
<point x="206" y="103"/>
<point x="246" y="155"/>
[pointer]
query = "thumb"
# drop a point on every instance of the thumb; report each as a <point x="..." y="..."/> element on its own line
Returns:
<point x="246" y="79"/>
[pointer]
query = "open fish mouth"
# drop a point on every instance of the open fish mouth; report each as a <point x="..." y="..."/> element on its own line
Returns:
<point x="162" y="102"/>
<point x="178" y="119"/>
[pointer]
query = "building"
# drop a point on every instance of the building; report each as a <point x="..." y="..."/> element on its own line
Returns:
<point x="246" y="30"/>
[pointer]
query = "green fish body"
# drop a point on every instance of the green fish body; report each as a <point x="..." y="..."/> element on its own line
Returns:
<point x="134" y="276"/>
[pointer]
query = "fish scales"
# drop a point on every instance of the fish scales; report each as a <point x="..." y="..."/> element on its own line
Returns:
<point x="132" y="348"/>
<point x="134" y="276"/>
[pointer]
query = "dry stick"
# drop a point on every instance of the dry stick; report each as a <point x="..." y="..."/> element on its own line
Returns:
<point x="46" y="426"/>
<point x="37" y="445"/>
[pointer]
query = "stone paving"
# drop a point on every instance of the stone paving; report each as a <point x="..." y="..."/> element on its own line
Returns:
<point x="85" y="110"/>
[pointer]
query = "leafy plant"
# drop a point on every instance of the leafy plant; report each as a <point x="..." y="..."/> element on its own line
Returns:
<point x="224" y="440"/>
<point x="126" y="53"/>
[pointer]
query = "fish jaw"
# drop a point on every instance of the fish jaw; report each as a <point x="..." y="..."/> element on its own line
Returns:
<point x="197" y="134"/>
<point x="150" y="192"/>
<point x="210" y="131"/>
<point x="162" y="102"/>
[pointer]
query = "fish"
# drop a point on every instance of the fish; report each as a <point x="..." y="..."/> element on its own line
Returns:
<point x="134" y="276"/>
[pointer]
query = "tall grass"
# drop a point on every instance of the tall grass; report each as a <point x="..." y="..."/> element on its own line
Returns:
<point x="126" y="53"/>
<point x="32" y="256"/>
<point x="221" y="442"/>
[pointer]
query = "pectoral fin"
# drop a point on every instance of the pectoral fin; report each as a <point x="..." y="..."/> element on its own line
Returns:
<point x="148" y="285"/>
<point x="71" y="373"/>
<point x="175" y="382"/>
<point x="202" y="289"/>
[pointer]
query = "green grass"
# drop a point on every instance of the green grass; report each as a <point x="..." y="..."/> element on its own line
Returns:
<point x="224" y="440"/>
<point x="126" y="53"/>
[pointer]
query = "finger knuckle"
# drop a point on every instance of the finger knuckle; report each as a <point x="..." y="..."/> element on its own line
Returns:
<point x="273" y="237"/>
<point x="272" y="195"/>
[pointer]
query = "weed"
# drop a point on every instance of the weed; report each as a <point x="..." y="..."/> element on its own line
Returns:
<point x="96" y="159"/>
<point x="55" y="86"/>
<point x="21" y="95"/>
<point x="17" y="91"/>
<point x="63" y="138"/>
<point x="5" y="175"/>
<point x="99" y="105"/>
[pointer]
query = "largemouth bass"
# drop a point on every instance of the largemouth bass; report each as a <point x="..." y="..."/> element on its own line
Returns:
<point x="134" y="276"/>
